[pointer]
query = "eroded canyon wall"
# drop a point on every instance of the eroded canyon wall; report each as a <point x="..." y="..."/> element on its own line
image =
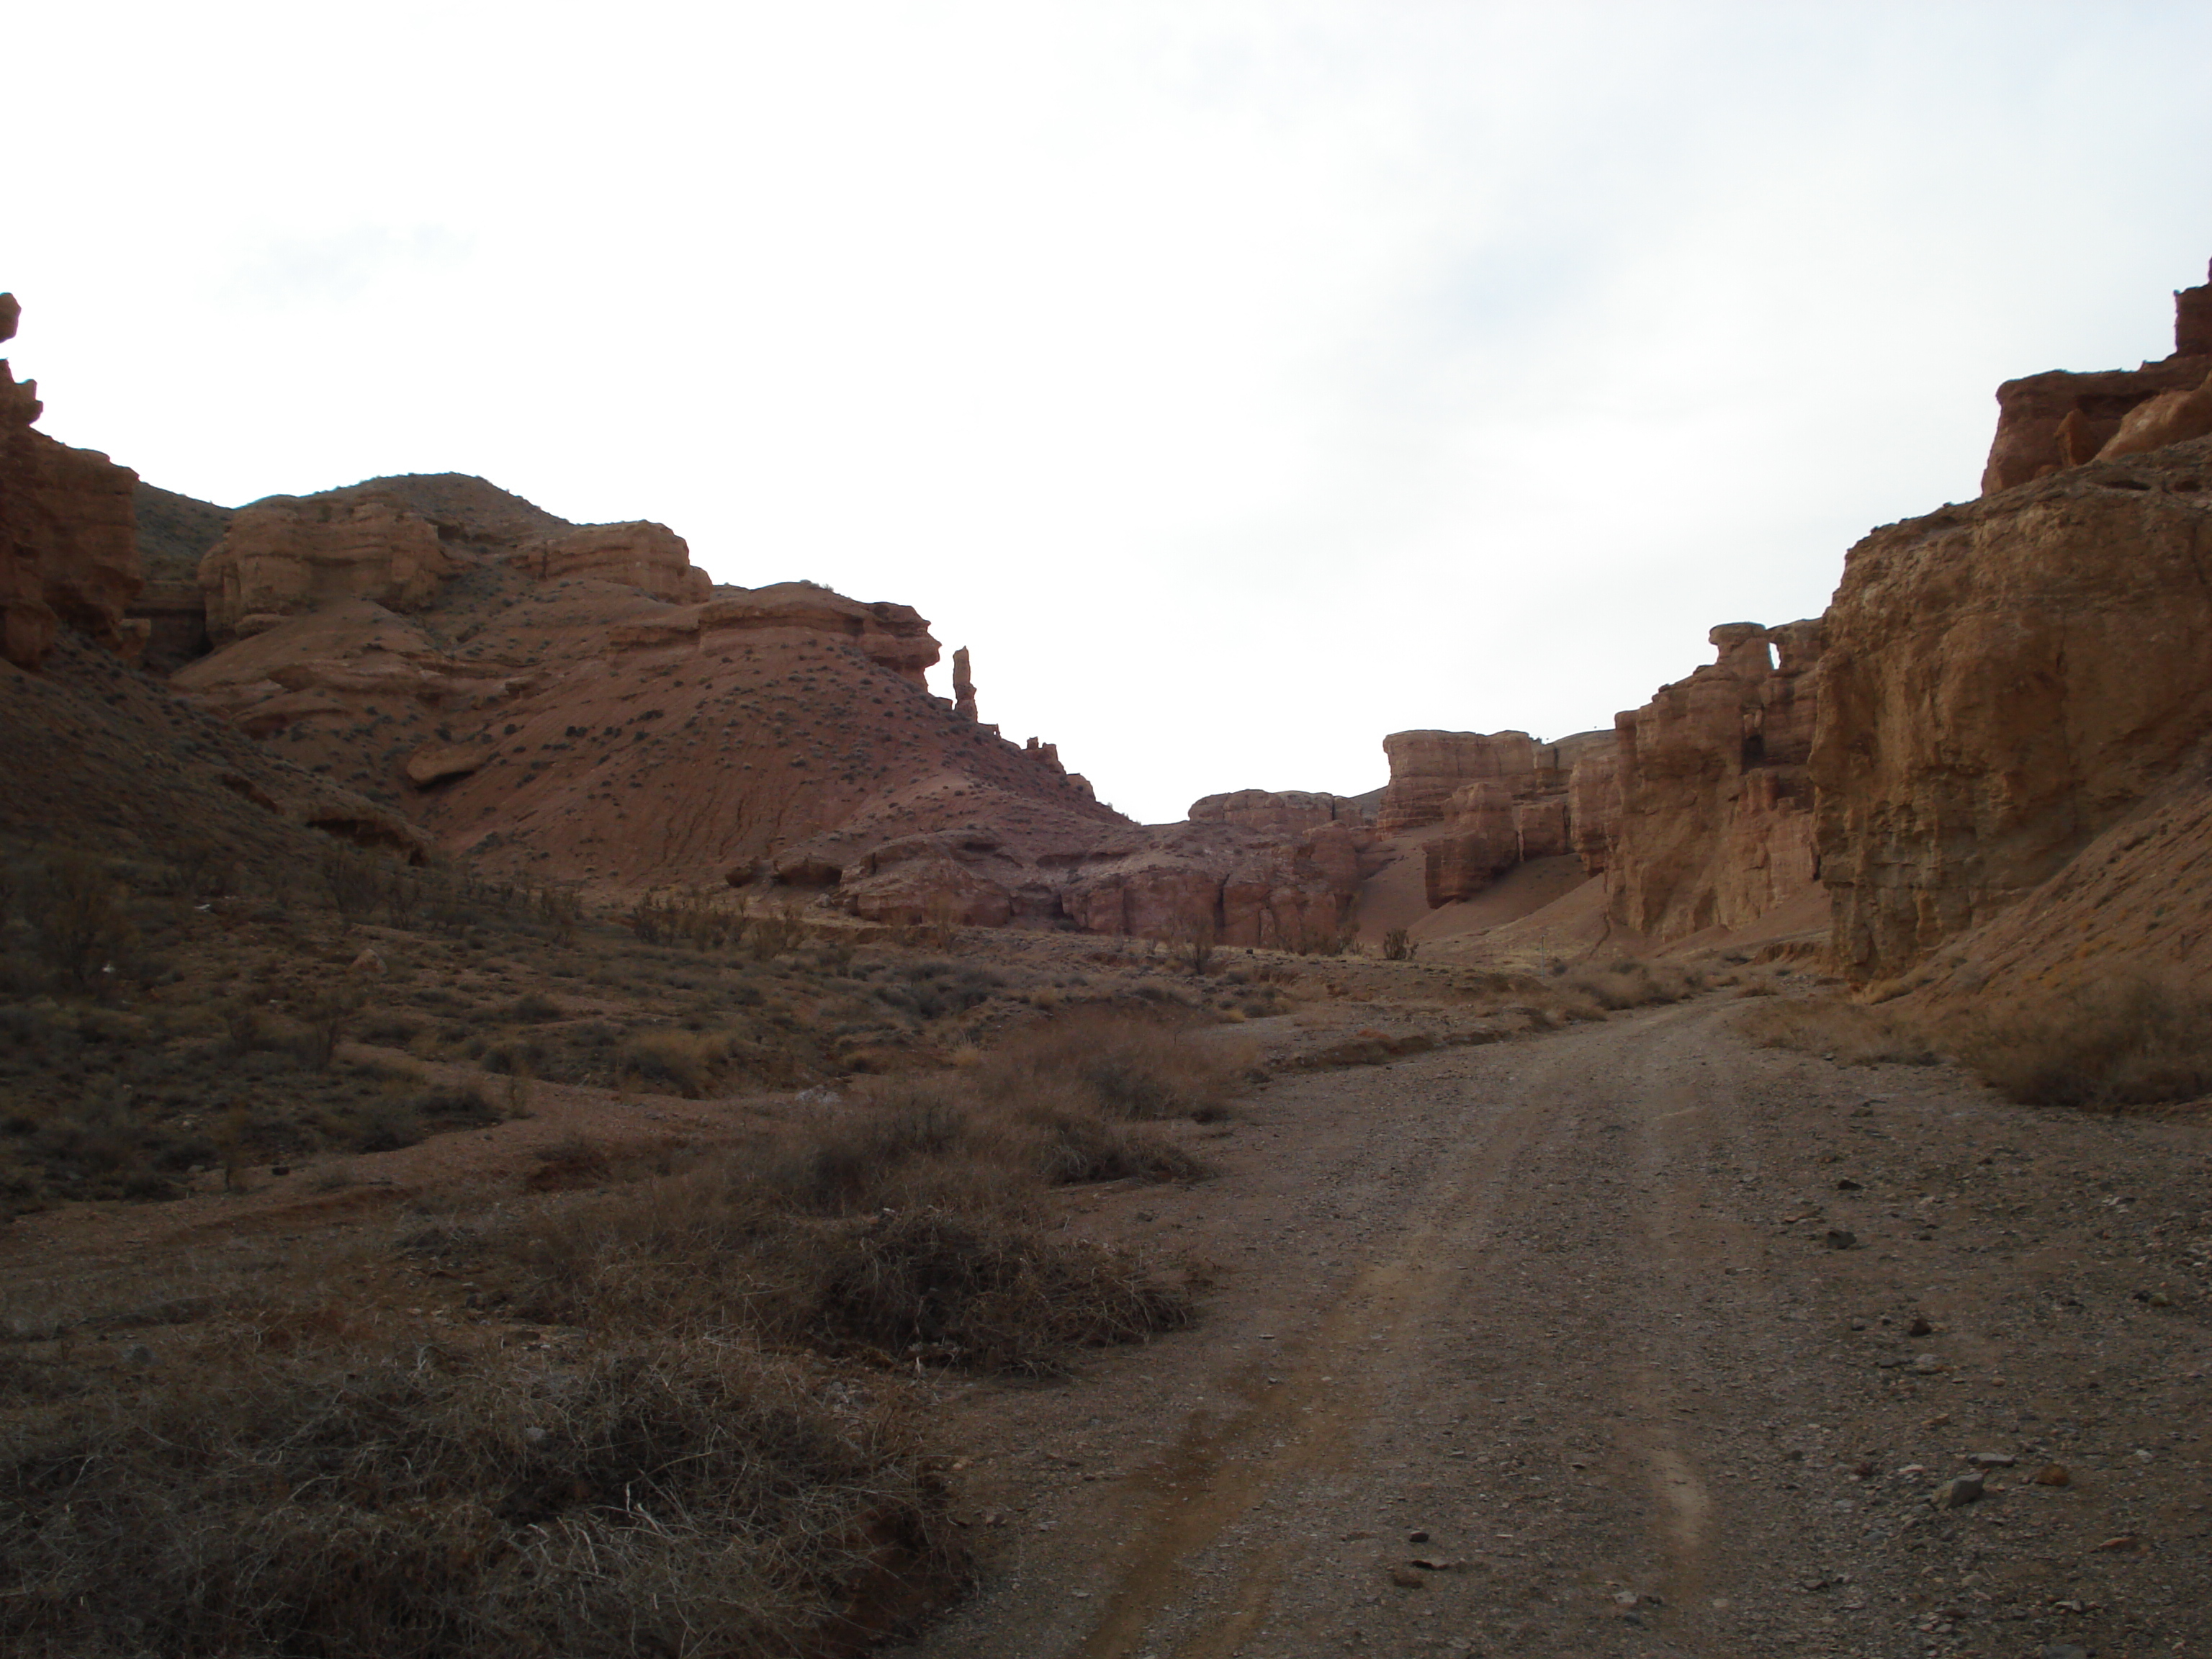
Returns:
<point x="2050" y="422"/>
<point x="1711" y="806"/>
<point x="2003" y="680"/>
<point x="69" y="554"/>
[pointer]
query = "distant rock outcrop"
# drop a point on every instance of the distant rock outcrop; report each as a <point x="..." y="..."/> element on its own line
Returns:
<point x="1288" y="812"/>
<point x="2048" y="422"/>
<point x="283" y="558"/>
<point x="68" y="553"/>
<point x="650" y="557"/>
<point x="963" y="686"/>
<point x="1245" y="886"/>
<point x="1502" y="798"/>
<point x="2004" y="681"/>
<point x="1707" y="789"/>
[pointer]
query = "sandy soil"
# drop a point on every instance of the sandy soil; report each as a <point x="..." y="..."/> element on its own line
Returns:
<point x="1543" y="1348"/>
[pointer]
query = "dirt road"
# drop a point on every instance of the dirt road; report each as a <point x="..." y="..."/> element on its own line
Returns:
<point x="1545" y="1348"/>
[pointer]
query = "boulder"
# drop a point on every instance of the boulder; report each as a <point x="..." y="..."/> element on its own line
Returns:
<point x="441" y="763"/>
<point x="2171" y="418"/>
<point x="68" y="554"/>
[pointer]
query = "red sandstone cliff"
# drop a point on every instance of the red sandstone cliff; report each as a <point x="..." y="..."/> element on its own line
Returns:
<point x="2004" y="680"/>
<point x="68" y="553"/>
<point x="1711" y="813"/>
<point x="2048" y="422"/>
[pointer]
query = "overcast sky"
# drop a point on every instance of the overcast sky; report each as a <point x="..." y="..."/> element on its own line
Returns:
<point x="1241" y="382"/>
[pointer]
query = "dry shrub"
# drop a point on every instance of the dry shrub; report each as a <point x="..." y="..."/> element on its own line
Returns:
<point x="1844" y="1032"/>
<point x="909" y="1224"/>
<point x="658" y="1501"/>
<point x="78" y="919"/>
<point x="1115" y="1065"/>
<point x="1633" y="984"/>
<point x="2134" y="1042"/>
<point x="685" y="1061"/>
<point x="792" y="1251"/>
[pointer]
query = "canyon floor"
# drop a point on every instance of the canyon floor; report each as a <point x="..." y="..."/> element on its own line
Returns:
<point x="1543" y="1347"/>
<point x="1552" y="1345"/>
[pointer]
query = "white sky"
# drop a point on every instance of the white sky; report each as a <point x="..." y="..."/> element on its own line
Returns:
<point x="1241" y="382"/>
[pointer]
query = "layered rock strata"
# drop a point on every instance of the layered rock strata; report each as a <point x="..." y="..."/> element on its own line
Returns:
<point x="1501" y="799"/>
<point x="1288" y="812"/>
<point x="1708" y="791"/>
<point x="69" y="554"/>
<point x="2004" y="680"/>
<point x="649" y="557"/>
<point x="2049" y="423"/>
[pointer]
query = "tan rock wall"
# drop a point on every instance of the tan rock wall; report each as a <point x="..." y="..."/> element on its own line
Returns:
<point x="2003" y="680"/>
<point x="650" y="557"/>
<point x="1277" y="812"/>
<point x="1426" y="767"/>
<point x="285" y="559"/>
<point x="1713" y="825"/>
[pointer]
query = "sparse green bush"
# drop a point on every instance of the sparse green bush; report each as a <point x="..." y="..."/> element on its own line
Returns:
<point x="1398" y="945"/>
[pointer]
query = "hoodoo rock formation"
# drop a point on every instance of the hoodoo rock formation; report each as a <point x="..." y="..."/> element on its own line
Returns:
<point x="1712" y="809"/>
<point x="963" y="686"/>
<point x="2048" y="422"/>
<point x="2004" y="680"/>
<point x="69" y="554"/>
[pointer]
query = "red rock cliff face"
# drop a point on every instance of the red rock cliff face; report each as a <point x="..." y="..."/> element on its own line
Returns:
<point x="2004" y="680"/>
<point x="2048" y="422"/>
<point x="1493" y="823"/>
<point x="1712" y="820"/>
<point x="1427" y="767"/>
<point x="68" y="553"/>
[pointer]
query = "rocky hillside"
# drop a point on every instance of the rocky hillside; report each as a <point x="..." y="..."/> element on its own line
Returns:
<point x="579" y="705"/>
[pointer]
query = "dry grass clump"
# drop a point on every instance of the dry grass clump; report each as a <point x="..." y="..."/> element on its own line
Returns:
<point x="2135" y="1041"/>
<point x="1844" y="1032"/>
<point x="1628" y="983"/>
<point x="907" y="1227"/>
<point x="1117" y="1066"/>
<point x="651" y="1500"/>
